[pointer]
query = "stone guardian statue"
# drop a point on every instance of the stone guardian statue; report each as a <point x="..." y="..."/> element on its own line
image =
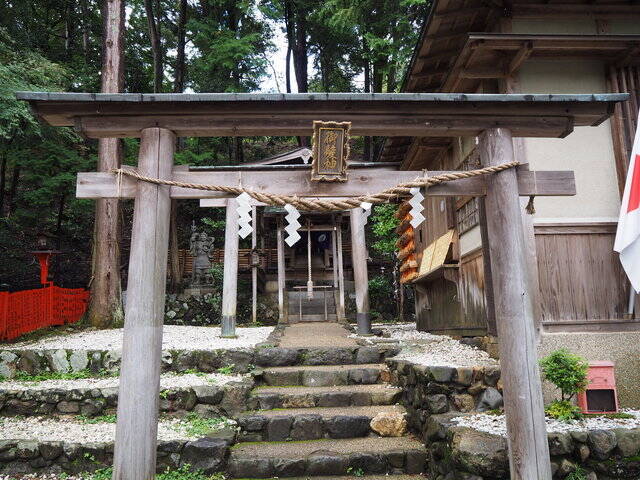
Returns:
<point x="200" y="245"/>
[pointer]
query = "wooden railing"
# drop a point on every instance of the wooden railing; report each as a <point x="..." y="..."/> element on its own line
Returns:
<point x="28" y="310"/>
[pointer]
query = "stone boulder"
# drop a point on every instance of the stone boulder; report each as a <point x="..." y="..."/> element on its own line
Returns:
<point x="480" y="453"/>
<point x="389" y="424"/>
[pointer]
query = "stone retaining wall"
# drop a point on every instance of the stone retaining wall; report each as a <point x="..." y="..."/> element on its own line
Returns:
<point x="206" y="400"/>
<point x="433" y="395"/>
<point x="435" y="390"/>
<point x="461" y="453"/>
<point x="209" y="454"/>
<point x="41" y="361"/>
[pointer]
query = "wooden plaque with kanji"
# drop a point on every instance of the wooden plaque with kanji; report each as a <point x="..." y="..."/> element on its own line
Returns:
<point x="330" y="151"/>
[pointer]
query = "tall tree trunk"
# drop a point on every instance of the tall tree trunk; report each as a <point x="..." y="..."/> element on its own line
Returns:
<point x="155" y="46"/>
<point x="61" y="203"/>
<point x="178" y="86"/>
<point x="175" y="272"/>
<point x="105" y="306"/>
<point x="287" y="69"/>
<point x="13" y="189"/>
<point x="3" y="181"/>
<point x="85" y="28"/>
<point x="300" y="53"/>
<point x="367" y="89"/>
<point x="239" y="151"/>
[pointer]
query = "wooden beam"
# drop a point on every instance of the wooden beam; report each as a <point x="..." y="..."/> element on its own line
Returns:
<point x="137" y="425"/>
<point x="524" y="407"/>
<point x="430" y="72"/>
<point x="447" y="125"/>
<point x="254" y="267"/>
<point x="590" y="10"/>
<point x="523" y="54"/>
<point x="230" y="281"/>
<point x="334" y="261"/>
<point x="297" y="182"/>
<point x="341" y="308"/>
<point x="458" y="13"/>
<point x="360" y="275"/>
<point x="439" y="55"/>
<point x="483" y="72"/>
<point x="282" y="314"/>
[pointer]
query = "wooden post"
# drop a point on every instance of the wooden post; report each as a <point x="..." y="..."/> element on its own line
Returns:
<point x="334" y="260"/>
<point x="341" y="314"/>
<point x="254" y="267"/>
<point x="137" y="427"/>
<point x="230" y="281"/>
<point x="360" y="276"/>
<point x="281" y="274"/>
<point x="527" y="437"/>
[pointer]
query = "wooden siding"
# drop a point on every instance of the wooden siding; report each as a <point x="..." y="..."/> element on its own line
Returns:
<point x="454" y="308"/>
<point x="582" y="286"/>
<point x="580" y="276"/>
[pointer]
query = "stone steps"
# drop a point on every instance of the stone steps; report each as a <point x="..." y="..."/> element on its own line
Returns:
<point x="268" y="398"/>
<point x="208" y="394"/>
<point x="323" y="376"/>
<point x="310" y="423"/>
<point x="351" y="477"/>
<point x="369" y="455"/>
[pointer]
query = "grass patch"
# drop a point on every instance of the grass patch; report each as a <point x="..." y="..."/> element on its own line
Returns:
<point x="41" y="377"/>
<point x="611" y="416"/>
<point x="182" y="473"/>
<point x="197" y="426"/>
<point x="110" y="418"/>
<point x="227" y="370"/>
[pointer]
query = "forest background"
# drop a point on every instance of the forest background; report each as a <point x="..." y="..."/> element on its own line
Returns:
<point x="172" y="46"/>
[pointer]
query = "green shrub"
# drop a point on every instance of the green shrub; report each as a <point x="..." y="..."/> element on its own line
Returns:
<point x="567" y="371"/>
<point x="578" y="474"/>
<point x="563" y="410"/>
<point x="182" y="473"/>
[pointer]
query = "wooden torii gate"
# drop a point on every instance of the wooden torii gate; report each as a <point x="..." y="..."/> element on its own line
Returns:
<point x="159" y="119"/>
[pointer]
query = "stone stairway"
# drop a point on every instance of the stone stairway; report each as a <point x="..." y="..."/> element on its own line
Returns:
<point x="315" y="421"/>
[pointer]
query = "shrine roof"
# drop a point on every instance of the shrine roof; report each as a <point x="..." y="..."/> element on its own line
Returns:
<point x="99" y="115"/>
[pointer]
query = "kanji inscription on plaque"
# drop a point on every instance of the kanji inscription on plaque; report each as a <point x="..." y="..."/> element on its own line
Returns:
<point x="330" y="151"/>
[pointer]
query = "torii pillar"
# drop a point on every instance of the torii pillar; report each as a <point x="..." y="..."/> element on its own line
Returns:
<point x="523" y="403"/>
<point x="360" y="274"/>
<point x="230" y="281"/>
<point x="138" y="396"/>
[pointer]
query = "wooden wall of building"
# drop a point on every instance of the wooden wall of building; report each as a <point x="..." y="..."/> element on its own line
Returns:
<point x="582" y="286"/>
<point x="581" y="281"/>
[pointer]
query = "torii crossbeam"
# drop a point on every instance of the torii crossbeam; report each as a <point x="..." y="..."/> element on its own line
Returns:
<point x="159" y="119"/>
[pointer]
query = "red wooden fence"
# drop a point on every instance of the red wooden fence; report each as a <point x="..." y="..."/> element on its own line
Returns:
<point x="28" y="310"/>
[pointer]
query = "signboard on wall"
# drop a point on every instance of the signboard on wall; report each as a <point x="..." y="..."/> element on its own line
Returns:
<point x="330" y="151"/>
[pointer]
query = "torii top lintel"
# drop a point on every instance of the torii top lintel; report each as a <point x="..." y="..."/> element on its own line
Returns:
<point x="97" y="115"/>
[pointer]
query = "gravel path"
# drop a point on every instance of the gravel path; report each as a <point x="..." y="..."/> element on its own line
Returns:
<point x="175" y="337"/>
<point x="46" y="428"/>
<point x="168" y="380"/>
<point x="496" y="423"/>
<point x="433" y="350"/>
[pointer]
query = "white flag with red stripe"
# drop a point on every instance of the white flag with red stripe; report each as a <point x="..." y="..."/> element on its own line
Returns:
<point x="628" y="233"/>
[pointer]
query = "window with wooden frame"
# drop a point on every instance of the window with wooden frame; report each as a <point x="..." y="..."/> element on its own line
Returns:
<point x="467" y="215"/>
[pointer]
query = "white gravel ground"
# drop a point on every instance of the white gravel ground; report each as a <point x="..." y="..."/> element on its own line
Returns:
<point x="167" y="381"/>
<point x="433" y="350"/>
<point x="496" y="423"/>
<point x="174" y="337"/>
<point x="46" y="428"/>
